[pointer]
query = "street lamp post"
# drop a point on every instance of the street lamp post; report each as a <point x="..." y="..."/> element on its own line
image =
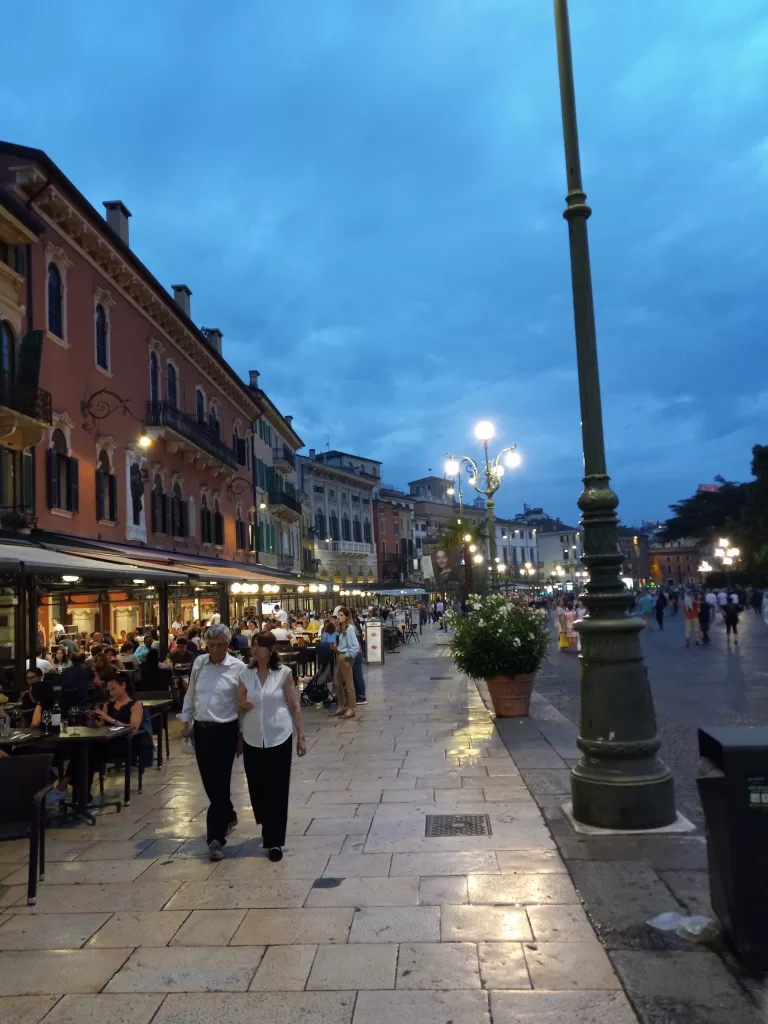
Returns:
<point x="486" y="481"/>
<point x="620" y="782"/>
<point x="727" y="555"/>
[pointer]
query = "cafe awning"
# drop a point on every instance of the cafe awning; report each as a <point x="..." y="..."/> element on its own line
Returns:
<point x="41" y="560"/>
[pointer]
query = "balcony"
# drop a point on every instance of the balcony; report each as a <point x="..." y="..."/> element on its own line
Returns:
<point x="351" y="547"/>
<point x="284" y="505"/>
<point x="283" y="458"/>
<point x="183" y="433"/>
<point x="287" y="562"/>
<point x="24" y="414"/>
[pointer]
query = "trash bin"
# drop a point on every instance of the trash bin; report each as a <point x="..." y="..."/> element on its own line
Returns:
<point x="734" y="797"/>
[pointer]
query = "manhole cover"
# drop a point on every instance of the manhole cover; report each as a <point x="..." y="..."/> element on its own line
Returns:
<point x="457" y="825"/>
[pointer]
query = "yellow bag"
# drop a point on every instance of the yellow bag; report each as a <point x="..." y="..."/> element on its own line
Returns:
<point x="563" y="641"/>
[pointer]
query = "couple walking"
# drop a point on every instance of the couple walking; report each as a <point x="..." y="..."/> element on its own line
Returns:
<point x="233" y="709"/>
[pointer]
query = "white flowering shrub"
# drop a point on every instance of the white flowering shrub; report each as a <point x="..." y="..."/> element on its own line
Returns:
<point x="499" y="637"/>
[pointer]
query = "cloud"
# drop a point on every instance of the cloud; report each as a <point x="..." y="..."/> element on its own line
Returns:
<point x="367" y="199"/>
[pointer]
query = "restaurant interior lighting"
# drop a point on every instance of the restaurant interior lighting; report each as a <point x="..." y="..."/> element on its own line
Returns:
<point x="484" y="430"/>
<point x="139" y="581"/>
<point x="313" y="588"/>
<point x="335" y="588"/>
<point x="235" y="588"/>
<point x="71" y="579"/>
<point x="302" y="589"/>
<point x="322" y="588"/>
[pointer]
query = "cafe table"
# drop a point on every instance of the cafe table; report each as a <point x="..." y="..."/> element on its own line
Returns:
<point x="75" y="744"/>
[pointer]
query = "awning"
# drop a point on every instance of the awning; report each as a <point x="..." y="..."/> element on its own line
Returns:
<point x="42" y="560"/>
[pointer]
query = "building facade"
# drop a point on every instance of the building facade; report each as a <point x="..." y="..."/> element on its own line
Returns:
<point x="341" y="489"/>
<point x="517" y="550"/>
<point x="676" y="563"/>
<point x="637" y="556"/>
<point x="393" y="530"/>
<point x="559" y="547"/>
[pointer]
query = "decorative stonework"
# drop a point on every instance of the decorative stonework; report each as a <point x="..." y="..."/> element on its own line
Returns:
<point x="108" y="445"/>
<point x="61" y="421"/>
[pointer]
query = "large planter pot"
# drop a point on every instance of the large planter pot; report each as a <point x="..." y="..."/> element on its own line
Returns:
<point x="511" y="695"/>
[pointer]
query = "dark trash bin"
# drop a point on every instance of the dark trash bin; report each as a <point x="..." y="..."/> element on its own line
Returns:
<point x="734" y="797"/>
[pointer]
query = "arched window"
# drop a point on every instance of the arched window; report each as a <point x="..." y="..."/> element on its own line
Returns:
<point x="357" y="530"/>
<point x="334" y="526"/>
<point x="320" y="525"/>
<point x="213" y="421"/>
<point x="241" y="533"/>
<point x="7" y="360"/>
<point x="179" y="523"/>
<point x="102" y="340"/>
<point x="55" y="301"/>
<point x="345" y="531"/>
<point x="154" y="379"/>
<point x="62" y="476"/>
<point x="218" y="524"/>
<point x="239" y="446"/>
<point x="367" y="531"/>
<point x="206" y="521"/>
<point x="160" y="507"/>
<point x="200" y="406"/>
<point x="106" y="490"/>
<point x="173" y="388"/>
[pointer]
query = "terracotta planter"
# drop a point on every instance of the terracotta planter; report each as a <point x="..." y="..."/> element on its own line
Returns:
<point x="511" y="695"/>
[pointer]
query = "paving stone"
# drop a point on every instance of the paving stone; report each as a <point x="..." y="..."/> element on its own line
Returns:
<point x="285" y="927"/>
<point x="260" y="868"/>
<point x="337" y="827"/>
<point x="208" y="927"/>
<point x="621" y="896"/>
<point x="50" y="931"/>
<point x="25" y="1009"/>
<point x="125" y="849"/>
<point x="364" y="966"/>
<point x="129" y="928"/>
<point x="58" y="972"/>
<point x="105" y="1009"/>
<point x="547" y="781"/>
<point x="277" y="892"/>
<point x="258" y="1008"/>
<point x="396" y="924"/>
<point x="188" y="969"/>
<point x="688" y="988"/>
<point x="63" y="899"/>
<point x="422" y="1007"/>
<point x="569" y="965"/>
<point x="531" y="862"/>
<point x="502" y="965"/>
<point x="691" y="888"/>
<point x="367" y="892"/>
<point x="485" y="924"/>
<point x="560" y="924"/>
<point x="521" y="889"/>
<point x="10" y="895"/>
<point x="460" y="863"/>
<point x="436" y="890"/>
<point x="562" y="1008"/>
<point x="440" y="965"/>
<point x="285" y="969"/>
<point x="363" y="865"/>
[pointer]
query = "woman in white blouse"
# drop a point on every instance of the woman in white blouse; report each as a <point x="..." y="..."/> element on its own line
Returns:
<point x="270" y="709"/>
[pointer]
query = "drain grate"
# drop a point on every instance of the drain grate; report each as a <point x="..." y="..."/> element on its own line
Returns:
<point x="457" y="825"/>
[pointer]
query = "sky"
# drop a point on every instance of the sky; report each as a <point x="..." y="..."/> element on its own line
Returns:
<point x="366" y="197"/>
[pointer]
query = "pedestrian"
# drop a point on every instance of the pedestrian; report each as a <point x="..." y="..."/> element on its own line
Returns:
<point x="711" y="598"/>
<point x="347" y="648"/>
<point x="731" y="616"/>
<point x="757" y="601"/>
<point x="645" y="607"/>
<point x="210" y="720"/>
<point x="722" y="601"/>
<point x="705" y="616"/>
<point x="269" y="705"/>
<point x="691" y="611"/>
<point x="439" y="610"/>
<point x="661" y="603"/>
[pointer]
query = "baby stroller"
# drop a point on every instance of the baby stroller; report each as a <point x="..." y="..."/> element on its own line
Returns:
<point x="317" y="689"/>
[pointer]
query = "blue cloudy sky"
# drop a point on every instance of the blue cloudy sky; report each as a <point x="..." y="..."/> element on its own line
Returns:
<point x="366" y="196"/>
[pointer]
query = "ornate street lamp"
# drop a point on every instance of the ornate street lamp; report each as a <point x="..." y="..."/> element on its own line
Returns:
<point x="485" y="480"/>
<point x="620" y="782"/>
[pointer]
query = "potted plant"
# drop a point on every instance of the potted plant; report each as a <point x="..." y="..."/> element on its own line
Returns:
<point x="502" y="642"/>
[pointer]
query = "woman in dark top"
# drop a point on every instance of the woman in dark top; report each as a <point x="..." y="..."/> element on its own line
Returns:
<point x="121" y="709"/>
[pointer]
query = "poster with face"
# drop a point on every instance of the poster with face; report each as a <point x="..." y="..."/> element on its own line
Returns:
<point x="445" y="563"/>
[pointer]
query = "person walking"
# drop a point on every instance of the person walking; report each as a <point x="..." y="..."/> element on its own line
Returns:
<point x="210" y="719"/>
<point x="731" y="616"/>
<point x="722" y="601"/>
<point x="347" y="649"/>
<point x="691" y="611"/>
<point x="660" y="605"/>
<point x="645" y="607"/>
<point x="757" y="601"/>
<point x="270" y="711"/>
<point x="705" y="616"/>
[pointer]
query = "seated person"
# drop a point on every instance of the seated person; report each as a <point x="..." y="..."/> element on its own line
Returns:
<point x="239" y="642"/>
<point x="144" y="647"/>
<point x="329" y="634"/>
<point x="313" y="626"/>
<point x="193" y="641"/>
<point x="76" y="680"/>
<point x="182" y="657"/>
<point x="37" y="693"/>
<point x="151" y="676"/>
<point x="128" y="657"/>
<point x="43" y="662"/>
<point x="283" y="635"/>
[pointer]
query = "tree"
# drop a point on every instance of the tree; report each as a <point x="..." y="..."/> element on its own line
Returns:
<point x="708" y="513"/>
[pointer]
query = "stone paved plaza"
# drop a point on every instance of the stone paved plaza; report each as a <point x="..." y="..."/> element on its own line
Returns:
<point x="365" y="920"/>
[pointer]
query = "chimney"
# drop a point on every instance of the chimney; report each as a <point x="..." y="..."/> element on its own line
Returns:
<point x="213" y="336"/>
<point x="254" y="378"/>
<point x="181" y="296"/>
<point x="311" y="453"/>
<point x="117" y="218"/>
<point x="288" y="420"/>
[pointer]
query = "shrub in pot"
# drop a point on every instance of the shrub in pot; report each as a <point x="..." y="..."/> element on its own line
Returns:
<point x="502" y="642"/>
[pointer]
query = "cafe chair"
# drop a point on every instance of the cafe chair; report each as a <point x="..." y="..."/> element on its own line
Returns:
<point x="24" y="783"/>
<point x="140" y="754"/>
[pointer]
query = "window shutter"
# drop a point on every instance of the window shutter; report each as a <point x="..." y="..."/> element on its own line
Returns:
<point x="165" y="510"/>
<point x="155" y="511"/>
<point x="100" y="494"/>
<point x="73" y="497"/>
<point x="183" y="518"/>
<point x="52" y="478"/>
<point x="240" y="450"/>
<point x="113" y="498"/>
<point x="218" y="528"/>
<point x="28" y="480"/>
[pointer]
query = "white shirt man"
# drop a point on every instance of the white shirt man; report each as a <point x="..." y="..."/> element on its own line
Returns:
<point x="734" y="598"/>
<point x="215" y="618"/>
<point x="176" y="626"/>
<point x="281" y="614"/>
<point x="439" y="607"/>
<point x="722" y="598"/>
<point x="43" y="665"/>
<point x="281" y="634"/>
<point x="212" y="692"/>
<point x="711" y="600"/>
<point x="56" y="629"/>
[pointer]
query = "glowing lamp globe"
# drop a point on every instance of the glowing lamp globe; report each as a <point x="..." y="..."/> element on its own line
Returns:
<point x="484" y="430"/>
